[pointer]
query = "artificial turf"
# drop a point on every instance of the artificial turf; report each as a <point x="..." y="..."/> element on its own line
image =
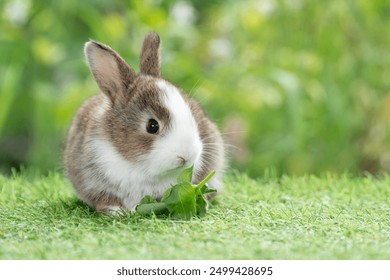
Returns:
<point x="309" y="217"/>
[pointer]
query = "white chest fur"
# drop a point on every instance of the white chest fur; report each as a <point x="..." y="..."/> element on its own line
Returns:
<point x="128" y="181"/>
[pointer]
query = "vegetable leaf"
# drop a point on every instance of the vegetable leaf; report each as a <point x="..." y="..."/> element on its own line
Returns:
<point x="148" y="199"/>
<point x="149" y="208"/>
<point x="181" y="201"/>
<point x="186" y="175"/>
<point x="201" y="203"/>
<point x="205" y="180"/>
<point x="166" y="194"/>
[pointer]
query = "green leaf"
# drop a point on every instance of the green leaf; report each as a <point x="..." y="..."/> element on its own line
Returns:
<point x="148" y="199"/>
<point x="201" y="204"/>
<point x="205" y="180"/>
<point x="201" y="201"/>
<point x="166" y="194"/>
<point x="181" y="201"/>
<point x="149" y="208"/>
<point x="207" y="189"/>
<point x="149" y="205"/>
<point x="185" y="175"/>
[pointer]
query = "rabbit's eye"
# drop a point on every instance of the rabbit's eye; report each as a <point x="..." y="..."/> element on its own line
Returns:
<point x="152" y="127"/>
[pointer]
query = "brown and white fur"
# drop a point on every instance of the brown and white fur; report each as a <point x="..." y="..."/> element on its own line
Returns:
<point x="111" y="158"/>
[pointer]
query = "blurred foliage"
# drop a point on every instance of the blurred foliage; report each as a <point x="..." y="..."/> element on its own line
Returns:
<point x="299" y="86"/>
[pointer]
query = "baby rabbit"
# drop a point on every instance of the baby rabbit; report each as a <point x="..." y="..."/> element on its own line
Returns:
<point x="136" y="136"/>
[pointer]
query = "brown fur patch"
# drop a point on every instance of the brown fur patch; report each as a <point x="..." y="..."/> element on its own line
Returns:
<point x="103" y="201"/>
<point x="150" y="55"/>
<point x="77" y="156"/>
<point x="125" y="122"/>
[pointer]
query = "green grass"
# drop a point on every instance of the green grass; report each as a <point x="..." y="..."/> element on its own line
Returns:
<point x="328" y="217"/>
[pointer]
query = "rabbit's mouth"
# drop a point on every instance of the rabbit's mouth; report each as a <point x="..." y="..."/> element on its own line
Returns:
<point x="172" y="173"/>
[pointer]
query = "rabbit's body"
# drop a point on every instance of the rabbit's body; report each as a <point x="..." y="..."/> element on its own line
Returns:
<point x="135" y="137"/>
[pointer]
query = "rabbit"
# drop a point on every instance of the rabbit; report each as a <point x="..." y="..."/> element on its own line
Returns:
<point x="135" y="137"/>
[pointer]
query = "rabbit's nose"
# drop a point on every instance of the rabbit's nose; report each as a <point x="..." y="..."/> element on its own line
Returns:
<point x="182" y="161"/>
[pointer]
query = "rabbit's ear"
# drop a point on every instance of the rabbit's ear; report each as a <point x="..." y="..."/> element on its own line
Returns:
<point x="150" y="55"/>
<point x="111" y="72"/>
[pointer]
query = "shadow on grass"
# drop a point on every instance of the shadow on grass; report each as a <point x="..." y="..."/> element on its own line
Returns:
<point x="76" y="210"/>
<point x="76" y="205"/>
<point x="72" y="207"/>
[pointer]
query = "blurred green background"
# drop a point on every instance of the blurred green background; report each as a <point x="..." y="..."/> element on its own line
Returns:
<point x="297" y="86"/>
